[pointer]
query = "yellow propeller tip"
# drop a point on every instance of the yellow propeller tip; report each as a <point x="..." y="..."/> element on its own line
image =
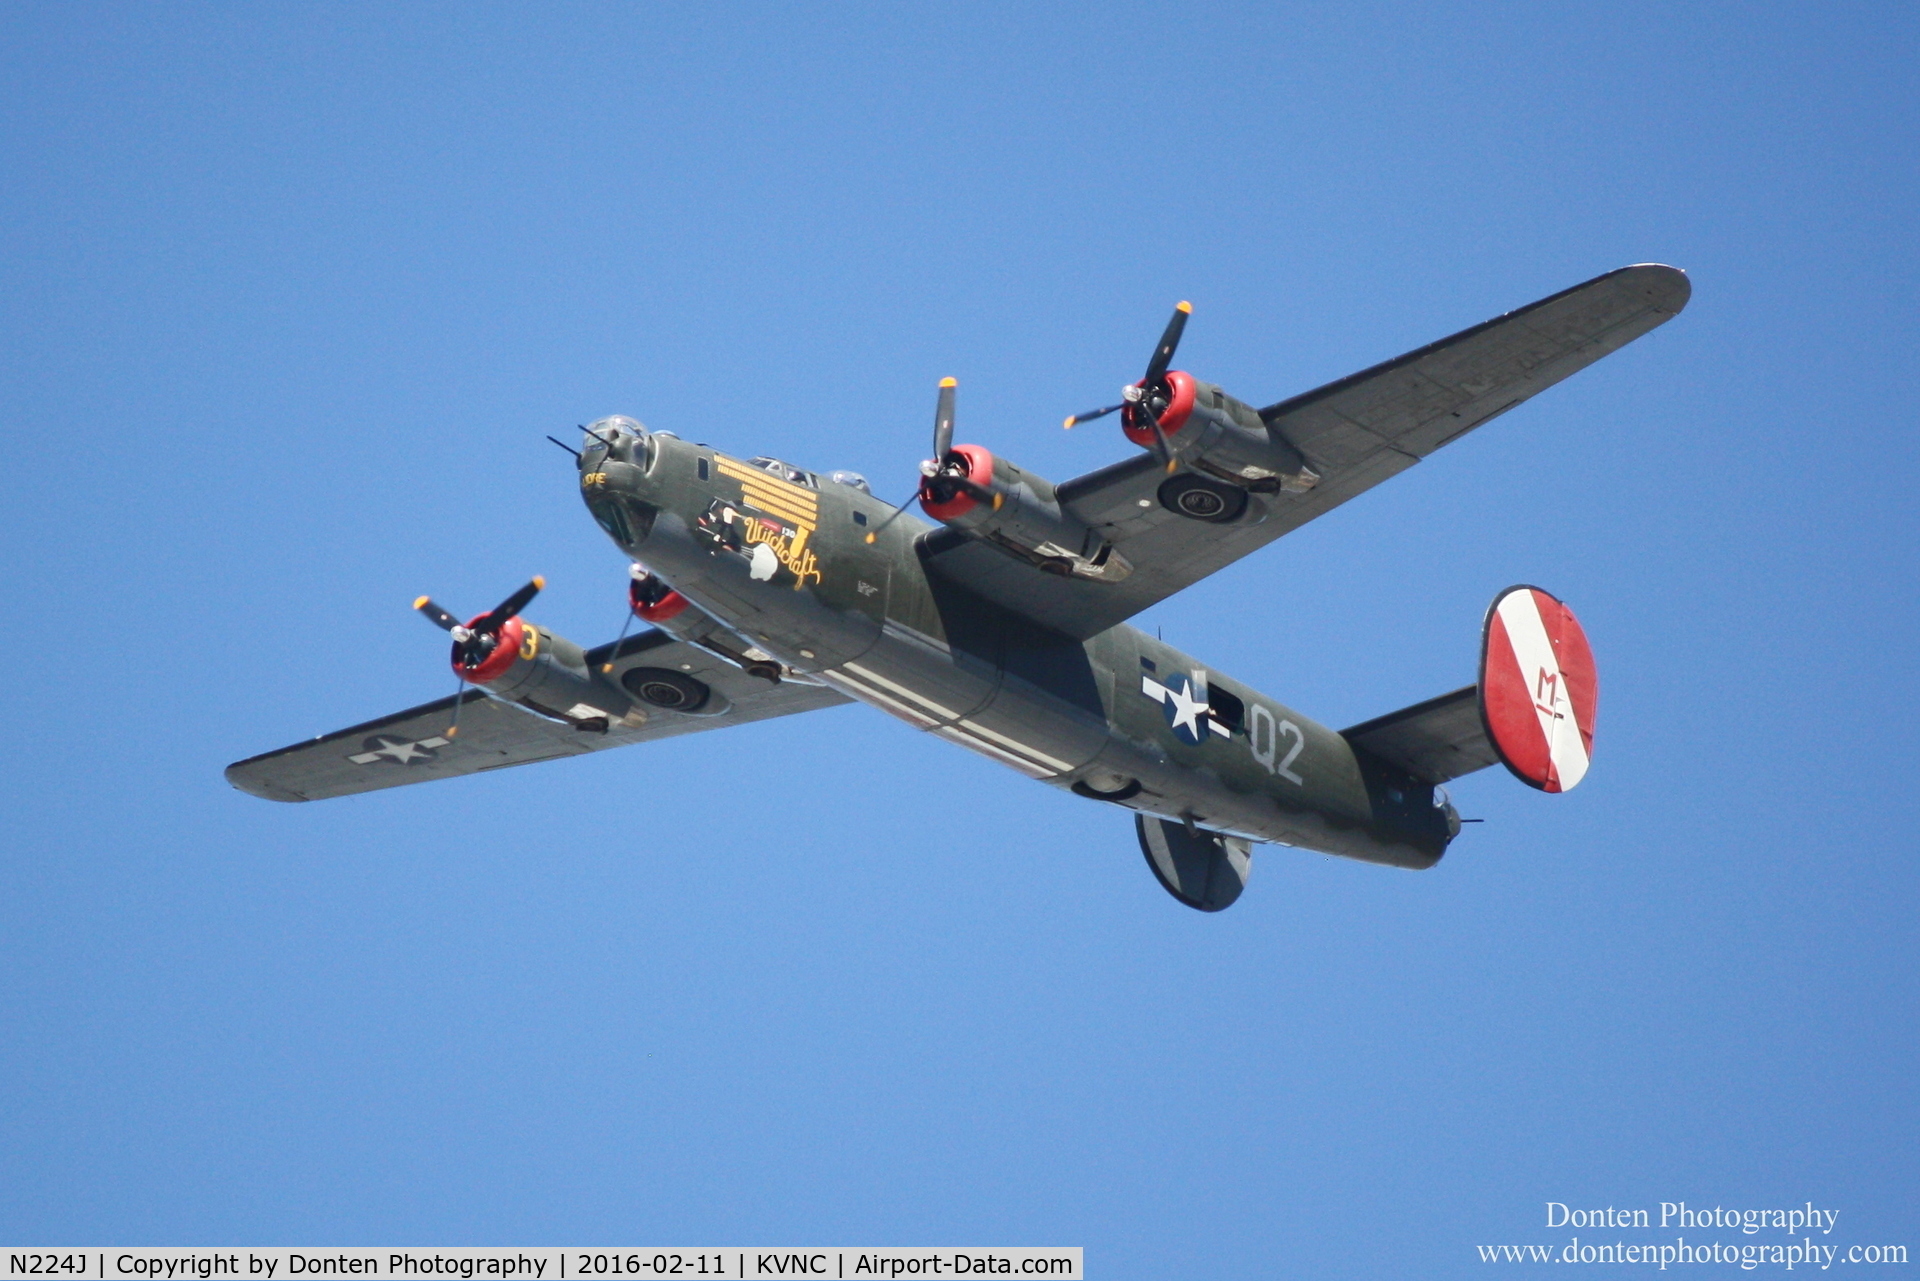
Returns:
<point x="453" y="731"/>
<point x="1067" y="425"/>
<point x="605" y="668"/>
<point x="1173" y="465"/>
<point x="1185" y="307"/>
<point x="417" y="604"/>
<point x="869" y="537"/>
<point x="540" y="582"/>
<point x="949" y="382"/>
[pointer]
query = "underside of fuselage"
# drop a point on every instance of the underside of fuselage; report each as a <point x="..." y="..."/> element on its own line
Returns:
<point x="783" y="562"/>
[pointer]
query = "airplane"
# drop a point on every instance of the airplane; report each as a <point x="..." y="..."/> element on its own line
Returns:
<point x="999" y="622"/>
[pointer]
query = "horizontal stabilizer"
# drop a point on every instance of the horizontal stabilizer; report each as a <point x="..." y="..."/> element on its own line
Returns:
<point x="1434" y="741"/>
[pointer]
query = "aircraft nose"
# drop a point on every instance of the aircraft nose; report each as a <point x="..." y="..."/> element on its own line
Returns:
<point x="596" y="443"/>
<point x="616" y="437"/>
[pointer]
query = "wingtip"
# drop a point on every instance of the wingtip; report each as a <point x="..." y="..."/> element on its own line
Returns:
<point x="243" y="780"/>
<point x="1672" y="286"/>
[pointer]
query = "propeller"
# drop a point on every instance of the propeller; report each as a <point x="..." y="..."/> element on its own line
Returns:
<point x="1151" y="394"/>
<point x="474" y="641"/>
<point x="945" y="474"/>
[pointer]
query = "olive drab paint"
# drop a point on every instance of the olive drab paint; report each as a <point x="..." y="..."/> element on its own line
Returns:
<point x="998" y="623"/>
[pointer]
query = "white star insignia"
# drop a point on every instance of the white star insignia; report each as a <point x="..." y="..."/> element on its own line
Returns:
<point x="399" y="751"/>
<point x="1186" y="708"/>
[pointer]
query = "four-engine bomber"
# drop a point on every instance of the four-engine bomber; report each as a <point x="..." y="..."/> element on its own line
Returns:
<point x="998" y="622"/>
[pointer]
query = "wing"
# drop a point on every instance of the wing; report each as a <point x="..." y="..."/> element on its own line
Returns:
<point x="413" y="746"/>
<point x="1434" y="741"/>
<point x="1354" y="433"/>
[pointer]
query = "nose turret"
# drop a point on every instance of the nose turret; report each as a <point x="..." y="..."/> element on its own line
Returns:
<point x="616" y="438"/>
<point x="616" y="453"/>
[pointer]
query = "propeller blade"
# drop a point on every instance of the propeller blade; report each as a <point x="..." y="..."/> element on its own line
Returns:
<point x="943" y="422"/>
<point x="892" y="516"/>
<point x="979" y="493"/>
<point x="507" y="608"/>
<point x="1169" y="343"/>
<point x="1075" y="420"/>
<point x="615" y="651"/>
<point x="440" y="618"/>
<point x="459" y="697"/>
<point x="1143" y="406"/>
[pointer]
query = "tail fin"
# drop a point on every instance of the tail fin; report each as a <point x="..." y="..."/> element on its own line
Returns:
<point x="1538" y="688"/>
<point x="1532" y="709"/>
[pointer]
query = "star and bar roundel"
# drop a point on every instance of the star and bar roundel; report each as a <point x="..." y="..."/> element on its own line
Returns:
<point x="389" y="750"/>
<point x="1184" y="700"/>
<point x="1538" y="688"/>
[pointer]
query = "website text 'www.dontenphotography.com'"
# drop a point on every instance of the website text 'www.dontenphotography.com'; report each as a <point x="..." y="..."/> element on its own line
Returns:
<point x="1673" y="1234"/>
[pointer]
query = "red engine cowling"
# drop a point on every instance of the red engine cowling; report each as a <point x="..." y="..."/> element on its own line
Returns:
<point x="499" y="660"/>
<point x="972" y="463"/>
<point x="1182" y="393"/>
<point x="652" y="600"/>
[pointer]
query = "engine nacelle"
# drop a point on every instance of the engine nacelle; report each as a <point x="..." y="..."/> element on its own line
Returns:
<point x="1018" y="512"/>
<point x="654" y="600"/>
<point x="1211" y="432"/>
<point x="547" y="673"/>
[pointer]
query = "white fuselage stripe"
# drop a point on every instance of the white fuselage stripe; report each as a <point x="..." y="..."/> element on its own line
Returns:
<point x="954" y="734"/>
<point x="847" y="685"/>
<point x="967" y="733"/>
<point x="901" y="690"/>
<point x="1016" y="746"/>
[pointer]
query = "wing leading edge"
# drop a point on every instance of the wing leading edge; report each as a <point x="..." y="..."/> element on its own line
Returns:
<point x="1355" y="433"/>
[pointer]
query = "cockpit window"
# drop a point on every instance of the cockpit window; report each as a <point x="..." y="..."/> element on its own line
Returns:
<point x="785" y="471"/>
<point x="852" y="479"/>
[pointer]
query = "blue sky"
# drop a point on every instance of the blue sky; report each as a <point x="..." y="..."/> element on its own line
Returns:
<point x="289" y="297"/>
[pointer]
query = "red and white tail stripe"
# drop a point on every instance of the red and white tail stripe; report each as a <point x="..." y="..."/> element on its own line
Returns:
<point x="1538" y="688"/>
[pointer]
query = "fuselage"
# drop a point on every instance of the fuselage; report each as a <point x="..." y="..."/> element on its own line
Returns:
<point x="829" y="581"/>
